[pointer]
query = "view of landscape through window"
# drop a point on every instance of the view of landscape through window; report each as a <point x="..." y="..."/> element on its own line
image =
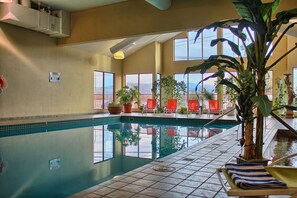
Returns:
<point x="144" y="82"/>
<point x="103" y="89"/>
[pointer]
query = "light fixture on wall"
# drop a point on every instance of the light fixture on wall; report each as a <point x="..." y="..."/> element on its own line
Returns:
<point x="119" y="55"/>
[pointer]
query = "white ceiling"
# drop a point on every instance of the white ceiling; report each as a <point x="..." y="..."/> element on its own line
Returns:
<point x="103" y="47"/>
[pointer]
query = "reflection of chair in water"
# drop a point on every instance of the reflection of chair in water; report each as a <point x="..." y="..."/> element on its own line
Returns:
<point x="193" y="131"/>
<point x="278" y="176"/>
<point x="193" y="106"/>
<point x="171" y="130"/>
<point x="171" y="106"/>
<point x="151" y="105"/>
<point x="214" y="107"/>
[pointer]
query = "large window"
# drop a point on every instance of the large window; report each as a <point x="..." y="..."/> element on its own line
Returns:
<point x="188" y="49"/>
<point x="103" y="89"/>
<point x="191" y="81"/>
<point x="230" y="36"/>
<point x="103" y="144"/>
<point x="144" y="82"/>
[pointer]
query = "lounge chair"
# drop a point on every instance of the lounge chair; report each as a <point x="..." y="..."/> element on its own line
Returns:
<point x="283" y="174"/>
<point x="214" y="107"/>
<point x="193" y="106"/>
<point x="151" y="105"/>
<point x="171" y="106"/>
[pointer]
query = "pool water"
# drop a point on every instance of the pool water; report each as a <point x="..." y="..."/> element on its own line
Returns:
<point x="63" y="162"/>
<point x="282" y="145"/>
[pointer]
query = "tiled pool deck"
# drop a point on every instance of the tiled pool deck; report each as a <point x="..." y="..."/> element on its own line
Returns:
<point x="194" y="174"/>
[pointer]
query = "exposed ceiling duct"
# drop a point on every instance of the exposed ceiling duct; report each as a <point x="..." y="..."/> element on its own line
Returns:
<point x="160" y="4"/>
<point x="123" y="45"/>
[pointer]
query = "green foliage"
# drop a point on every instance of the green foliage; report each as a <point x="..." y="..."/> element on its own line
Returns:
<point x="231" y="90"/>
<point x="170" y="87"/>
<point x="126" y="95"/>
<point x="183" y="110"/>
<point x="281" y="93"/>
<point x="207" y="95"/>
<point x="126" y="135"/>
<point x="114" y="104"/>
<point x="257" y="24"/>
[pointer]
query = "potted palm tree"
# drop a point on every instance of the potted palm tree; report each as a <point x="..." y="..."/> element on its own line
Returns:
<point x="126" y="95"/>
<point x="261" y="26"/>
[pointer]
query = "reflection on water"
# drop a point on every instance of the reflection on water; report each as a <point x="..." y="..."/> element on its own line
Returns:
<point x="282" y="145"/>
<point x="85" y="156"/>
<point x="156" y="141"/>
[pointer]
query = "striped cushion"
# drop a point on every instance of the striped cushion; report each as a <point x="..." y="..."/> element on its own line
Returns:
<point x="252" y="176"/>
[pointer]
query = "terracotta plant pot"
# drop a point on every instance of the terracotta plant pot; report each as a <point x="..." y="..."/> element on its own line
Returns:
<point x="127" y="108"/>
<point x="115" y="110"/>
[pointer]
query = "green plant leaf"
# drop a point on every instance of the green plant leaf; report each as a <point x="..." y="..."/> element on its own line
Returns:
<point x="293" y="108"/>
<point x="269" y="8"/>
<point x="285" y="16"/>
<point x="202" y="68"/>
<point x="229" y="84"/>
<point x="263" y="103"/>
<point x="234" y="47"/>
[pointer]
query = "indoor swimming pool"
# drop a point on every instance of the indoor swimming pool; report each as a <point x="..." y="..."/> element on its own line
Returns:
<point x="59" y="159"/>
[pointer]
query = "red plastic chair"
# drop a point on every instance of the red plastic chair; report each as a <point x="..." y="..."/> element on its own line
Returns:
<point x="171" y="105"/>
<point x="151" y="104"/>
<point x="193" y="106"/>
<point x="214" y="107"/>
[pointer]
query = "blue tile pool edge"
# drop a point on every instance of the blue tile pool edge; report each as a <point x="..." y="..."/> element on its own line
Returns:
<point x="47" y="126"/>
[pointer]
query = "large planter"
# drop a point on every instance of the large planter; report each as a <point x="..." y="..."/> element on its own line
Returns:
<point x="115" y="110"/>
<point x="127" y="108"/>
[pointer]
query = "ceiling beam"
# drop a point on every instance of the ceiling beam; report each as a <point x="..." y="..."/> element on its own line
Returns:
<point x="135" y="18"/>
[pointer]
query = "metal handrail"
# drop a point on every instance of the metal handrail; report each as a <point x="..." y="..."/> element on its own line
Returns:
<point x="219" y="117"/>
<point x="284" y="123"/>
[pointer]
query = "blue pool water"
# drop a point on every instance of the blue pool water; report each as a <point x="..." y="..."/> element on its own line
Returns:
<point x="57" y="162"/>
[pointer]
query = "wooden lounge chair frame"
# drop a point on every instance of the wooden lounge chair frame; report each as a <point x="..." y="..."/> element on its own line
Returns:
<point x="289" y="178"/>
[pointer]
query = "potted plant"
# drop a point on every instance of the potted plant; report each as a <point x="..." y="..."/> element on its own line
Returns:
<point x="257" y="23"/>
<point x="114" y="108"/>
<point x="126" y="95"/>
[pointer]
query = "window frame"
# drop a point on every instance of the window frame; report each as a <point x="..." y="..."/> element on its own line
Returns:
<point x="138" y="84"/>
<point x="200" y="45"/>
<point x="103" y="92"/>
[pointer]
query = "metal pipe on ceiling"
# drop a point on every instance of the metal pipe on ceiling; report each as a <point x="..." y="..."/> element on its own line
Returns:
<point x="160" y="4"/>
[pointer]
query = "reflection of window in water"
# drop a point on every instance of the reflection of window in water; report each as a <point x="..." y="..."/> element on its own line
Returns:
<point x="155" y="141"/>
<point x="143" y="147"/>
<point x="103" y="144"/>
